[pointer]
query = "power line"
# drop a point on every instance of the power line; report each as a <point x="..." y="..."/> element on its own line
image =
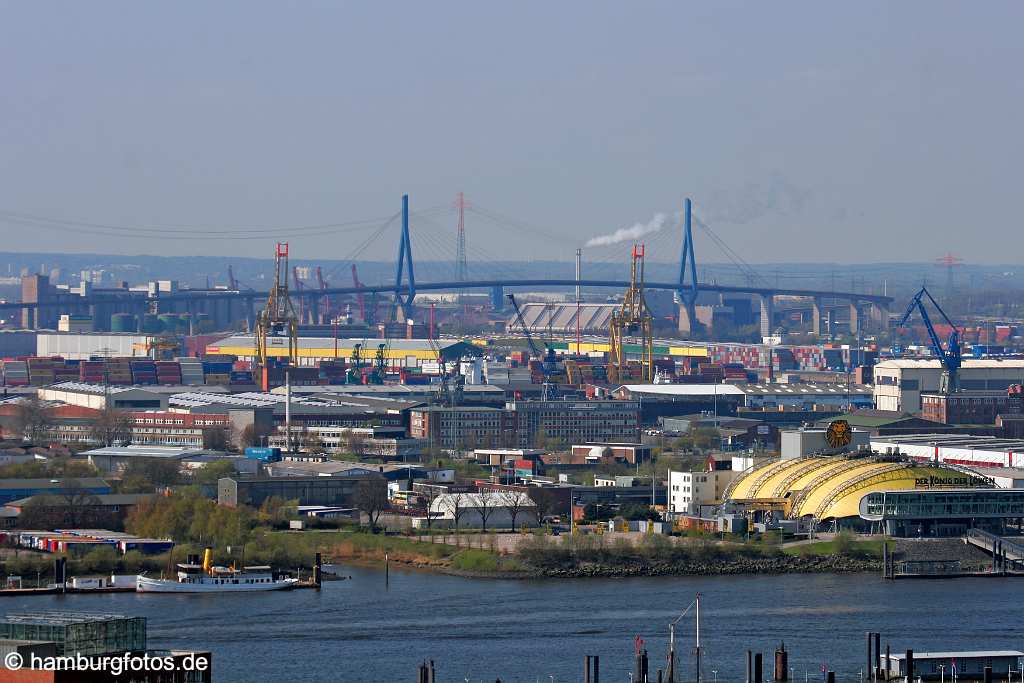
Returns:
<point x="173" y="231"/>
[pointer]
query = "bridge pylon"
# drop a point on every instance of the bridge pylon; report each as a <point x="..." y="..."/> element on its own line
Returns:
<point x="686" y="295"/>
<point x="403" y="304"/>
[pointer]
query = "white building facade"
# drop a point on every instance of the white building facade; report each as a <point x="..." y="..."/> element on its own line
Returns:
<point x="687" y="491"/>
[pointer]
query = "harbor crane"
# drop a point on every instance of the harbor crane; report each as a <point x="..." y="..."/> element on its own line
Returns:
<point x="631" y="318"/>
<point x="950" y="357"/>
<point x="547" y="359"/>
<point x="277" y="325"/>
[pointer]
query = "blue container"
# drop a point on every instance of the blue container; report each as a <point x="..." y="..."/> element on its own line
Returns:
<point x="263" y="454"/>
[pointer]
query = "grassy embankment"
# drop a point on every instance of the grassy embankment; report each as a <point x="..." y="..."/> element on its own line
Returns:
<point x="871" y="549"/>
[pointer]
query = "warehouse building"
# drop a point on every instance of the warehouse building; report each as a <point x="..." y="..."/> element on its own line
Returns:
<point x="900" y="383"/>
<point x="99" y="397"/>
<point x="329" y="491"/>
<point x="87" y="345"/>
<point x="522" y="424"/>
<point x="404" y="353"/>
<point x="955" y="449"/>
<point x="15" y="489"/>
<point x="796" y="396"/>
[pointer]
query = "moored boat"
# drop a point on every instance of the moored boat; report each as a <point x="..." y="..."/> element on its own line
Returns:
<point x="208" y="578"/>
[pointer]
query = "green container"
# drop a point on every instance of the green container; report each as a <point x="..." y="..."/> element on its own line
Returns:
<point x="151" y="324"/>
<point x="124" y="322"/>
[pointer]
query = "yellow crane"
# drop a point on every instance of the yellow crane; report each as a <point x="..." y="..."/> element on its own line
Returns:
<point x="633" y="318"/>
<point x="277" y="325"/>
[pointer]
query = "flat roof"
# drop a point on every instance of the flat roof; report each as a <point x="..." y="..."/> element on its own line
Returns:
<point x="802" y="389"/>
<point x="93" y="389"/>
<point x="934" y="364"/>
<point x="962" y="654"/>
<point x="146" y="451"/>
<point x="62" y="618"/>
<point x="57" y="483"/>
<point x="369" y="344"/>
<point x="953" y="441"/>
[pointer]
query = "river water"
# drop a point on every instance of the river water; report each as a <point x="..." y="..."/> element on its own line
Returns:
<point x="530" y="631"/>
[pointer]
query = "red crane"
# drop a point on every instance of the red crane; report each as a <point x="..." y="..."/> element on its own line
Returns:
<point x="359" y="297"/>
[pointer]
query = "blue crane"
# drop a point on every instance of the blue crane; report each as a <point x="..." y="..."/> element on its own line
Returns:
<point x="950" y="356"/>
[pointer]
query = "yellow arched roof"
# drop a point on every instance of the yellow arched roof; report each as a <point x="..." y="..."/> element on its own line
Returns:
<point x="830" y="487"/>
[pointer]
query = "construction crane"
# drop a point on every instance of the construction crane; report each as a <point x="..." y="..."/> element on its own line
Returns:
<point x="632" y="318"/>
<point x="277" y="325"/>
<point x="950" y="357"/>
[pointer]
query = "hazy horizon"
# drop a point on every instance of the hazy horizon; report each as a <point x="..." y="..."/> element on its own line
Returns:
<point x="805" y="133"/>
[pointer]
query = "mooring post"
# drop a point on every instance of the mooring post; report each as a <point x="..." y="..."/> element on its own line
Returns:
<point x="878" y="656"/>
<point x="781" y="664"/>
<point x="758" y="668"/>
<point x="586" y="669"/>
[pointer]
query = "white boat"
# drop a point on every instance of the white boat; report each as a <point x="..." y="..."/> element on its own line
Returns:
<point x="206" y="578"/>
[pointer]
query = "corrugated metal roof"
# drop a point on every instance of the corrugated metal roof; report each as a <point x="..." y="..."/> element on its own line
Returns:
<point x="248" y="341"/>
<point x="930" y="363"/>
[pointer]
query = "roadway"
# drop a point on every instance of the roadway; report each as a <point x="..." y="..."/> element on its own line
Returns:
<point x="213" y="295"/>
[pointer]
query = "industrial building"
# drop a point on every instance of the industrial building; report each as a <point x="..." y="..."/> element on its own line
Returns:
<point x="561" y="318"/>
<point x="16" y="489"/>
<point x="116" y="459"/>
<point x="87" y="345"/>
<point x="971" y="407"/>
<point x="100" y="397"/>
<point x="900" y="383"/>
<point x="404" y="353"/>
<point x="798" y="396"/>
<point x="521" y="424"/>
<point x="329" y="491"/>
<point x="955" y="449"/>
<point x="493" y="510"/>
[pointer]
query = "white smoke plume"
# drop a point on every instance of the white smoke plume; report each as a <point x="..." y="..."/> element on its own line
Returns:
<point x="636" y="231"/>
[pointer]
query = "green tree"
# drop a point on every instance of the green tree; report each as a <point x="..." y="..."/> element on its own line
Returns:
<point x="151" y="473"/>
<point x="211" y="472"/>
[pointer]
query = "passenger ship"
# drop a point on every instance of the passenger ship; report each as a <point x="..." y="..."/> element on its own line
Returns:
<point x="206" y="578"/>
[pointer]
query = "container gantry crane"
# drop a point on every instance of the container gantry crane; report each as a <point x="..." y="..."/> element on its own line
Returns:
<point x="324" y="311"/>
<point x="277" y="324"/>
<point x="950" y="357"/>
<point x="547" y="359"/>
<point x="631" y="318"/>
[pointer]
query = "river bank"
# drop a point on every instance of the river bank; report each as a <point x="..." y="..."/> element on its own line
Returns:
<point x="483" y="564"/>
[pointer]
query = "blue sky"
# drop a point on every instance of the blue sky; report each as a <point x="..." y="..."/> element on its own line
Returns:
<point x="804" y="131"/>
